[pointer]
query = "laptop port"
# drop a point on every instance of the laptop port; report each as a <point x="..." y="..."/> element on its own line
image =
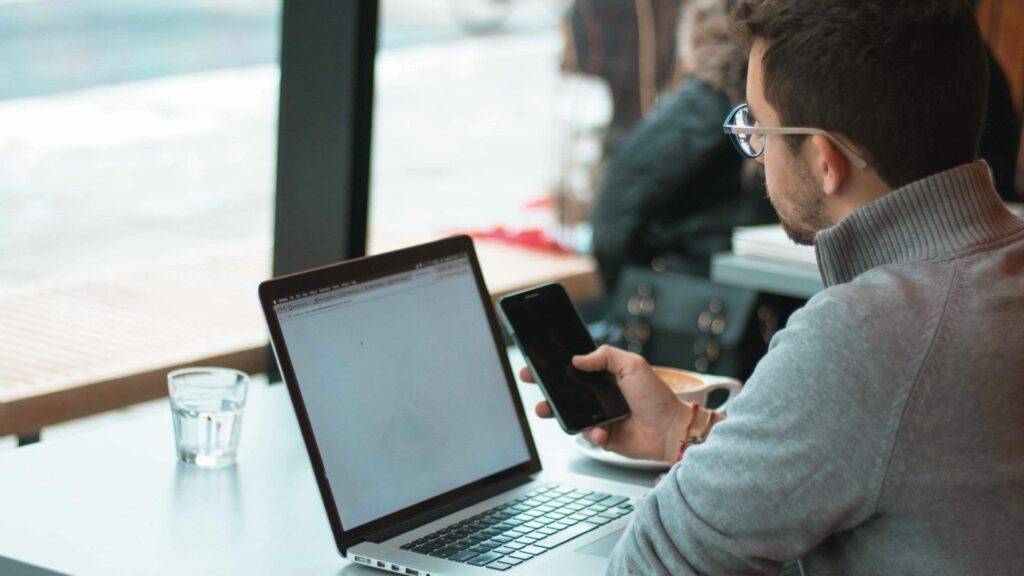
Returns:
<point x="412" y="572"/>
<point x="381" y="564"/>
<point x="363" y="560"/>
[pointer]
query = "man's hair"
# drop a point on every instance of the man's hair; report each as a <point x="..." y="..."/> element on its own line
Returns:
<point x="905" y="80"/>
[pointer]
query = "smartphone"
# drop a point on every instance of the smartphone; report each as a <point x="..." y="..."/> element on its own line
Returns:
<point x="549" y="331"/>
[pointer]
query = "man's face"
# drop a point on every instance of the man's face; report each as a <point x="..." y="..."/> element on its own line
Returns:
<point x="794" y="192"/>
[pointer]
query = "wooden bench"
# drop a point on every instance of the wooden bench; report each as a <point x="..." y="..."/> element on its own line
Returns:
<point x="76" y="349"/>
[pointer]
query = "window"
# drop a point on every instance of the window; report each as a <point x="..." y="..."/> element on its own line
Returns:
<point x="498" y="116"/>
<point x="138" y="160"/>
<point x="133" y="130"/>
<point x="466" y="121"/>
<point x="136" y="194"/>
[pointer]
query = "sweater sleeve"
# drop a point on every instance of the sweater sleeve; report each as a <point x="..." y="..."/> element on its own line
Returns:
<point x="801" y="455"/>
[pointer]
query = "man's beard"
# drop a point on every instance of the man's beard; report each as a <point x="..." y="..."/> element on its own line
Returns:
<point x="803" y="210"/>
<point x="800" y="235"/>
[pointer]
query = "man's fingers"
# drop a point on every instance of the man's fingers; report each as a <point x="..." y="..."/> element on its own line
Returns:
<point x="543" y="410"/>
<point x="597" y="436"/>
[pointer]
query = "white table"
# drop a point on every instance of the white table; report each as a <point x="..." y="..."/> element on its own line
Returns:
<point x="770" y="276"/>
<point x="114" y="501"/>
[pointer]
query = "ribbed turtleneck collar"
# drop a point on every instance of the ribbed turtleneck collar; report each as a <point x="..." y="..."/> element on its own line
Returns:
<point x="941" y="215"/>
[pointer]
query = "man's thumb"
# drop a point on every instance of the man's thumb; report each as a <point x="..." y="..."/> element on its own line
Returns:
<point x="595" y="361"/>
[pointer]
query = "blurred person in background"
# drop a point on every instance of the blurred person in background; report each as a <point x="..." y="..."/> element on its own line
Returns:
<point x="674" y="186"/>
<point x="671" y="194"/>
<point x="631" y="46"/>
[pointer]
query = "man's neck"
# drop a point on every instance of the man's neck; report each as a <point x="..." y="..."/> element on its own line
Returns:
<point x="862" y="189"/>
<point x="947" y="213"/>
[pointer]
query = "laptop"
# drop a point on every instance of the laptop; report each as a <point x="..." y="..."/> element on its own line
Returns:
<point x="418" y="439"/>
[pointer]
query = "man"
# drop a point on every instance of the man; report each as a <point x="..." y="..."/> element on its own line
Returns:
<point x="883" y="433"/>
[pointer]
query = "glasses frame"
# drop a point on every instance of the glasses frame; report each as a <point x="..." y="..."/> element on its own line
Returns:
<point x="734" y="131"/>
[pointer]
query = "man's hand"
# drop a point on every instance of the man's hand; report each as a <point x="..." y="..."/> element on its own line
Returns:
<point x="656" y="425"/>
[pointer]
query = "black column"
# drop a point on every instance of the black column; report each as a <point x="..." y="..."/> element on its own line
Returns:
<point x="324" y="128"/>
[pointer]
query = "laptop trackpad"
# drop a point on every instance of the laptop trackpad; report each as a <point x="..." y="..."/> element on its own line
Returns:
<point x="602" y="547"/>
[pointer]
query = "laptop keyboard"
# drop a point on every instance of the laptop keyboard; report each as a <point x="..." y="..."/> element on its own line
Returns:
<point x="520" y="529"/>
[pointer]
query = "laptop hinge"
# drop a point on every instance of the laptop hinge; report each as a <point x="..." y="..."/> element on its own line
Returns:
<point x="452" y="507"/>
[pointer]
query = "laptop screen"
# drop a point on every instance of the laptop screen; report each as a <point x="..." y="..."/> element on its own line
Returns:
<point x="405" y="392"/>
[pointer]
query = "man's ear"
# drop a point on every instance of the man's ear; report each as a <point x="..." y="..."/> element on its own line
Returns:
<point x="831" y="166"/>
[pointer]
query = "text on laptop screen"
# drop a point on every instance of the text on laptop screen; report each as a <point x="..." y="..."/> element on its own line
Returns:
<point x="404" y="387"/>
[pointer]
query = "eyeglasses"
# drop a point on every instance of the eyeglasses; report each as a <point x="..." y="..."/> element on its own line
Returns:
<point x="749" y="140"/>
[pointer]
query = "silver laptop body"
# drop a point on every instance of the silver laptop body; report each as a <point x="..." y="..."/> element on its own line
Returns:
<point x="396" y="368"/>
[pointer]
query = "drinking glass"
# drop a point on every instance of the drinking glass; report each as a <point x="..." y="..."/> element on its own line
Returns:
<point x="207" y="406"/>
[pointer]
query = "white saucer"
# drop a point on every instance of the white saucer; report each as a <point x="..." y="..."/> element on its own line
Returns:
<point x="601" y="455"/>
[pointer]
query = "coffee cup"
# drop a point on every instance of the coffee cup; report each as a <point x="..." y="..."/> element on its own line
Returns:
<point x="704" y="389"/>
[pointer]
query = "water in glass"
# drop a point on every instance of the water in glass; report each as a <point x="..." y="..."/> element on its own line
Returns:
<point x="208" y="437"/>
<point x="207" y="407"/>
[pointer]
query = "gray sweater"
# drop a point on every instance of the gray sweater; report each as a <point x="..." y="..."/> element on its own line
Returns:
<point x="883" y="433"/>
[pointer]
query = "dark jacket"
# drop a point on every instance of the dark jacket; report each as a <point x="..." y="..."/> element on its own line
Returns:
<point x="673" y="186"/>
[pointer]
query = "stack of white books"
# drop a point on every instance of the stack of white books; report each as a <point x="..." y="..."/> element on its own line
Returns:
<point x="769" y="242"/>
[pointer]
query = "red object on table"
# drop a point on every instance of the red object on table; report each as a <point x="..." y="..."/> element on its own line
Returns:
<point x="534" y="238"/>
<point x="541" y="203"/>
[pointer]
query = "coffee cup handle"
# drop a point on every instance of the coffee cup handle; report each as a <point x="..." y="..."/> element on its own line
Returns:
<point x="733" y="386"/>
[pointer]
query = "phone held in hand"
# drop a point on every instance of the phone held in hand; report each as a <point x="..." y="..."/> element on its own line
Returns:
<point x="549" y="331"/>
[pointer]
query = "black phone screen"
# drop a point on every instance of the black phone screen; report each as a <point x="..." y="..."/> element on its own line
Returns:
<point x="550" y="332"/>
